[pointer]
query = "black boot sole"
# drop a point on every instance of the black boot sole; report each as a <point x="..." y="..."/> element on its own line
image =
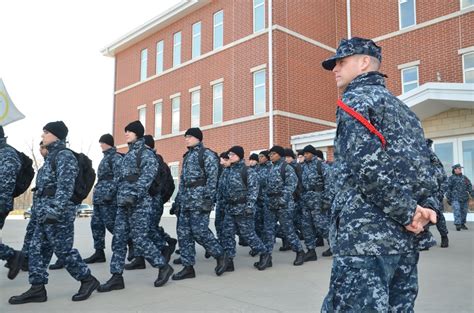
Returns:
<point x="94" y="261"/>
<point x="31" y="300"/>
<point x="114" y="287"/>
<point x="174" y="277"/>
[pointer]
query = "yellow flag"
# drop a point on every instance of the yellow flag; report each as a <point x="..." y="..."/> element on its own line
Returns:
<point x="8" y="112"/>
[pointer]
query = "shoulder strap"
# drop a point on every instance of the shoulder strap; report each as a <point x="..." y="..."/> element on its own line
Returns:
<point x="319" y="168"/>
<point x="362" y="120"/>
<point x="139" y="156"/>
<point x="282" y="171"/>
<point x="244" y="175"/>
<point x="201" y="160"/>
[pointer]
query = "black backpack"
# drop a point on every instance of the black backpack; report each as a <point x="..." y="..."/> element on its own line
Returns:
<point x="85" y="178"/>
<point x="25" y="174"/>
<point x="163" y="182"/>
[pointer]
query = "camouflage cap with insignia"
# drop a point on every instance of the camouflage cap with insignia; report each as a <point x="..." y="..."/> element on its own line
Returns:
<point x="355" y="45"/>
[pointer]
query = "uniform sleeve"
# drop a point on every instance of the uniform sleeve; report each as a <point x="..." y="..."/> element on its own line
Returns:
<point x="148" y="170"/>
<point x="252" y="188"/>
<point x="449" y="188"/>
<point x="67" y="170"/>
<point x="211" y="167"/>
<point x="469" y="187"/>
<point x="9" y="166"/>
<point x="375" y="172"/>
<point x="291" y="180"/>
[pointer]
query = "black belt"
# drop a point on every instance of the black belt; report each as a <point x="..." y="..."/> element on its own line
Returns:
<point x="197" y="183"/>
<point x="47" y="192"/>
<point x="238" y="201"/>
<point x="275" y="194"/>
<point x="131" y="178"/>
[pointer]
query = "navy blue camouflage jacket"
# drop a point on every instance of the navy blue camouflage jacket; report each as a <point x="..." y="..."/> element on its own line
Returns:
<point x="106" y="185"/>
<point x="240" y="197"/>
<point x="459" y="188"/>
<point x="9" y="168"/>
<point x="378" y="188"/>
<point x="279" y="190"/>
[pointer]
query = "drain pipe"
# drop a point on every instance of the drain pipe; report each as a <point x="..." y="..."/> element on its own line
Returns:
<point x="348" y="11"/>
<point x="270" y="73"/>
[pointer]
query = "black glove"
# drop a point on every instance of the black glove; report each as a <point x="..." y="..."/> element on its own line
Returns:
<point x="174" y="209"/>
<point x="50" y="218"/>
<point x="130" y="202"/>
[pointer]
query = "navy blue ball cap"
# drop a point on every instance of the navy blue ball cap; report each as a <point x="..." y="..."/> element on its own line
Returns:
<point x="355" y="45"/>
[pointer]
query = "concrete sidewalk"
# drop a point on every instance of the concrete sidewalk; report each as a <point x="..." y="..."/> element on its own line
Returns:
<point x="445" y="278"/>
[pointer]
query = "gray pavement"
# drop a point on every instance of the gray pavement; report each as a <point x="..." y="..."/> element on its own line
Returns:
<point x="446" y="278"/>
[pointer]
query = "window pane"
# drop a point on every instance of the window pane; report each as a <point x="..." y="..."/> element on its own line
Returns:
<point x="258" y="15"/>
<point x="158" y="119"/>
<point x="466" y="3"/>
<point x="175" y="115"/>
<point x="407" y="13"/>
<point x="175" y="173"/>
<point x="469" y="76"/>
<point x="196" y="49"/>
<point x="410" y="75"/>
<point x="468" y="158"/>
<point x="468" y="61"/>
<point x="408" y="87"/>
<point x="143" y="64"/>
<point x="159" y="57"/>
<point x="444" y="151"/>
<point x="218" y="30"/>
<point x="217" y="104"/>
<point x="259" y="92"/>
<point x="177" y="49"/>
<point x="142" y="116"/>
<point x="195" y="108"/>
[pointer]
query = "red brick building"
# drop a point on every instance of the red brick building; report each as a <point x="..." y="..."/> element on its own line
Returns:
<point x="218" y="65"/>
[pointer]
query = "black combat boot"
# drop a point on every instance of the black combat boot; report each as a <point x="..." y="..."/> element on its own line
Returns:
<point x="242" y="242"/>
<point x="285" y="246"/>
<point x="24" y="265"/>
<point x="14" y="264"/>
<point x="253" y="253"/>
<point x="37" y="293"/>
<point x="319" y="242"/>
<point x="328" y="252"/>
<point x="88" y="285"/>
<point x="177" y="251"/>
<point x="114" y="283"/>
<point x="463" y="226"/>
<point x="177" y="261"/>
<point x="310" y="255"/>
<point x="230" y="266"/>
<point x="97" y="257"/>
<point x="166" y="253"/>
<point x="172" y="244"/>
<point x="163" y="275"/>
<point x="207" y="255"/>
<point x="444" y="241"/>
<point x="299" y="258"/>
<point x="58" y="265"/>
<point x="222" y="262"/>
<point x="264" y="262"/>
<point x="458" y="227"/>
<point x="137" y="264"/>
<point x="186" y="272"/>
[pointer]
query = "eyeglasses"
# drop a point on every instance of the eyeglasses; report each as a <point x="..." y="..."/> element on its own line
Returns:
<point x="231" y="154"/>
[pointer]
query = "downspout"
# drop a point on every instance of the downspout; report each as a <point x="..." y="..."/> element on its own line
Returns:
<point x="348" y="10"/>
<point x="270" y="72"/>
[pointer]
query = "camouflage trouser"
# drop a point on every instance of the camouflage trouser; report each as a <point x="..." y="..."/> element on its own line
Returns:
<point x="103" y="218"/>
<point x="285" y="218"/>
<point x="219" y="221"/>
<point x="134" y="223"/>
<point x="298" y="217"/>
<point x="30" y="230"/>
<point x="156" y="232"/>
<point x="460" y="212"/>
<point x="57" y="238"/>
<point x="193" y="226"/>
<point x="245" y="224"/>
<point x="315" y="225"/>
<point x="386" y="283"/>
<point x="259" y="219"/>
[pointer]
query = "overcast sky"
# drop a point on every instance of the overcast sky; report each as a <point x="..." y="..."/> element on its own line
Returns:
<point x="51" y="64"/>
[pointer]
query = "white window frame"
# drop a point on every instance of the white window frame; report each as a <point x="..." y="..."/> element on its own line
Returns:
<point x="411" y="82"/>
<point x="214" y="121"/>
<point x="198" y="104"/>
<point x="457" y="149"/>
<point x="400" y="14"/>
<point x="255" y="7"/>
<point x="143" y="64"/>
<point x="255" y="93"/>
<point x="215" y="26"/>
<point x="194" y="53"/>
<point x="464" y="70"/>
<point x="142" y="109"/>
<point x="160" y="56"/>
<point x="177" y="49"/>
<point x="173" y="165"/>
<point x="464" y="7"/>
<point x="174" y="122"/>
<point x="160" y="120"/>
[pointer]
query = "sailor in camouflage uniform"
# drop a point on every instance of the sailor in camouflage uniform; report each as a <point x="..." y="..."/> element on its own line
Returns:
<point x="194" y="202"/>
<point x="104" y="197"/>
<point x="220" y="201"/>
<point x="135" y="211"/>
<point x="240" y="191"/>
<point x="458" y="191"/>
<point x="384" y="189"/>
<point x="9" y="167"/>
<point x="280" y="207"/>
<point x="55" y="213"/>
<point x="263" y="167"/>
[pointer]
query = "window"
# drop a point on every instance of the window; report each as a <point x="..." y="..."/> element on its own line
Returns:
<point x="409" y="78"/>
<point x="407" y="13"/>
<point x="217" y="103"/>
<point x="143" y="64"/>
<point x="466" y="3"/>
<point x="159" y="56"/>
<point x="218" y="30"/>
<point x="196" y="49"/>
<point x="195" y="108"/>
<point x="177" y="49"/>
<point x="158" y="119"/>
<point x="142" y="116"/>
<point x="468" y="67"/>
<point x="259" y="92"/>
<point x="174" y="169"/>
<point x="175" y="115"/>
<point x="456" y="150"/>
<point x="258" y="15"/>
